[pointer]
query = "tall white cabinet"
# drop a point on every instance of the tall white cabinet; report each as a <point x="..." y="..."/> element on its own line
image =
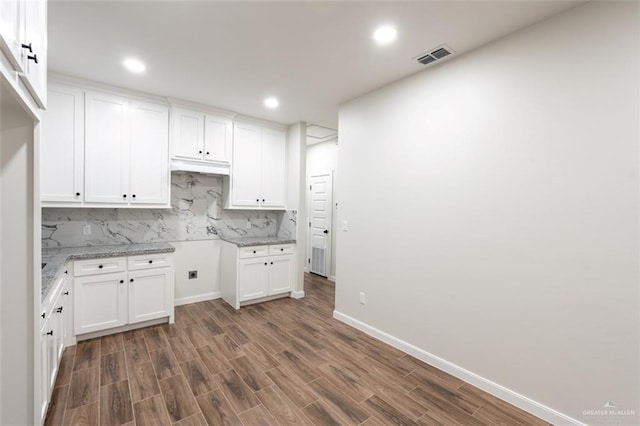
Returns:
<point x="23" y="42"/>
<point x="62" y="168"/>
<point x="258" y="174"/>
<point x="150" y="178"/>
<point x="106" y="159"/>
<point x="104" y="149"/>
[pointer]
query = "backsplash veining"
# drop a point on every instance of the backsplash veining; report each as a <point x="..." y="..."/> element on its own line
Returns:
<point x="196" y="213"/>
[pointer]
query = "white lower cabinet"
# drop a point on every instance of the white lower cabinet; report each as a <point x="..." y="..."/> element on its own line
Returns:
<point x="253" y="278"/>
<point x="53" y="320"/>
<point x="252" y="273"/>
<point x="113" y="292"/>
<point x="148" y="294"/>
<point x="100" y="302"/>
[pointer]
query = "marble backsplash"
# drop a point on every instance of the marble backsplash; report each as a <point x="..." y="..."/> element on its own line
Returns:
<point x="196" y="213"/>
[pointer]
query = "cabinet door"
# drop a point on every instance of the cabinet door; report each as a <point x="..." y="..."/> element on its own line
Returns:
<point x="150" y="294"/>
<point x="55" y="345"/>
<point x="43" y="389"/>
<point x="10" y="14"/>
<point x="34" y="60"/>
<point x="58" y="316"/>
<point x="274" y="161"/>
<point x="106" y="143"/>
<point x="187" y="134"/>
<point x="67" y="317"/>
<point x="62" y="147"/>
<point x="149" y="154"/>
<point x="247" y="154"/>
<point x="252" y="279"/>
<point x="280" y="274"/>
<point x="218" y="132"/>
<point x="100" y="302"/>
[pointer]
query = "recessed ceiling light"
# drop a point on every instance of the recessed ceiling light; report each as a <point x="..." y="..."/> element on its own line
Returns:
<point x="385" y="34"/>
<point x="271" y="102"/>
<point x="134" y="65"/>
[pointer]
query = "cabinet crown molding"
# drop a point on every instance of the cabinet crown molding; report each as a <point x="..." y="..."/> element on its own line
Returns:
<point x="205" y="109"/>
<point x="88" y="85"/>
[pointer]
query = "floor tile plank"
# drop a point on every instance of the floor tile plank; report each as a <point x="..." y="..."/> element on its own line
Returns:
<point x="135" y="351"/>
<point x="151" y="412"/>
<point x="165" y="363"/>
<point x="198" y="376"/>
<point x="86" y="415"/>
<point x="112" y="368"/>
<point x="178" y="399"/>
<point x="216" y="409"/>
<point x="83" y="388"/>
<point x="87" y="355"/>
<point x="237" y="392"/>
<point x="115" y="404"/>
<point x="143" y="381"/>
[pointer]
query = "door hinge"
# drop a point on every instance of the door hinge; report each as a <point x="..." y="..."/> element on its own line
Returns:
<point x="309" y="224"/>
<point x="310" y="186"/>
<point x="309" y="260"/>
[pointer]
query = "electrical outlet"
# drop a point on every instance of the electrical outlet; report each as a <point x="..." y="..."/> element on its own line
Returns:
<point x="86" y="229"/>
<point x="345" y="225"/>
<point x="362" y="298"/>
<point x="248" y="224"/>
<point x="193" y="274"/>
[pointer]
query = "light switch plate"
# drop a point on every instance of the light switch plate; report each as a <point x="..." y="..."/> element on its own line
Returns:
<point x="86" y="229"/>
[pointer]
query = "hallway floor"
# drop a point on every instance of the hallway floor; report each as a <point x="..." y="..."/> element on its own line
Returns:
<point x="280" y="362"/>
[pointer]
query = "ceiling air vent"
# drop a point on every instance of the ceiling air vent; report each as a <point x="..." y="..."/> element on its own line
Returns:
<point x="434" y="55"/>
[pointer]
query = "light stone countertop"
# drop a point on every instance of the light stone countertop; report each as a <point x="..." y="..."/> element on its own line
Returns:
<point x="258" y="241"/>
<point x="55" y="258"/>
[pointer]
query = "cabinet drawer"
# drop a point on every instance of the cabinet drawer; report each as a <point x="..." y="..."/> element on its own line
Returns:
<point x="281" y="249"/>
<point x="147" y="261"/>
<point x="98" y="266"/>
<point x="249" y="252"/>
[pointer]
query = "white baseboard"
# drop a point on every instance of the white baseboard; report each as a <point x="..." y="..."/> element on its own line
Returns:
<point x="297" y="294"/>
<point x="537" y="409"/>
<point x="198" y="298"/>
<point x="306" y="269"/>
<point x="332" y="278"/>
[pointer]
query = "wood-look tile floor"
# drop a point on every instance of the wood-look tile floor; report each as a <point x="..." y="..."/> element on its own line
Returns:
<point x="280" y="362"/>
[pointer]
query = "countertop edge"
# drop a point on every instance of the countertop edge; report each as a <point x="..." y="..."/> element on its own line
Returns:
<point x="56" y="261"/>
<point x="240" y="242"/>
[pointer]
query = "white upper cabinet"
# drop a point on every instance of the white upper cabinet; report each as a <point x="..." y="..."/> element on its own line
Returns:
<point x="112" y="153"/>
<point x="10" y="17"/>
<point x="187" y="133"/>
<point x="196" y="135"/>
<point x="218" y="138"/>
<point x="247" y="147"/>
<point x="23" y="42"/>
<point x="259" y="168"/>
<point x="274" y="164"/>
<point x="149" y="155"/>
<point x="107" y="137"/>
<point x="34" y="57"/>
<point x="62" y="153"/>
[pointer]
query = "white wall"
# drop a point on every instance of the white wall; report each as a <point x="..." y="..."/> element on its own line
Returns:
<point x="203" y="257"/>
<point x="493" y="210"/>
<point x="296" y="169"/>
<point x="17" y="261"/>
<point x="320" y="158"/>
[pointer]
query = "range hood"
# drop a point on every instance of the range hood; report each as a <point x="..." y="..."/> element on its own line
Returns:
<point x="198" y="166"/>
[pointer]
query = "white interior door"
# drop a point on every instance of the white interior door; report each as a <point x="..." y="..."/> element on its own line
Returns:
<point x="320" y="203"/>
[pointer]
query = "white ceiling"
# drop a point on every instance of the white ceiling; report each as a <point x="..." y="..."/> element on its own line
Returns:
<point x="311" y="55"/>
